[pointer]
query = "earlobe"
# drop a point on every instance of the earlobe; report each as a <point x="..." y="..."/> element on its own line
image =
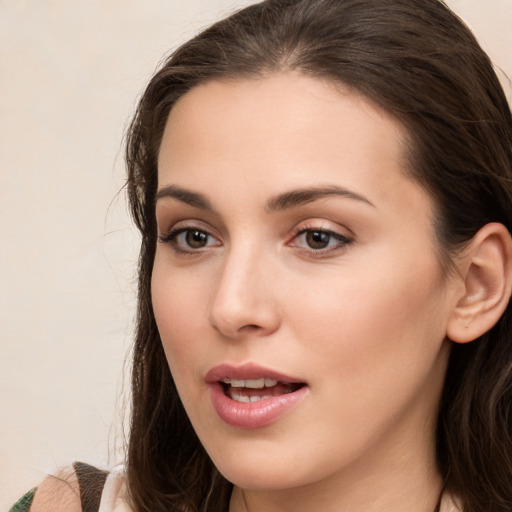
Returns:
<point x="486" y="270"/>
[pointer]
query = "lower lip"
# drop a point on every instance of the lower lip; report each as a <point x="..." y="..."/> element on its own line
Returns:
<point x="253" y="415"/>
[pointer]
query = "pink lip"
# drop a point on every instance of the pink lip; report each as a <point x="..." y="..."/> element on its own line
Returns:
<point x="254" y="414"/>
<point x="246" y="371"/>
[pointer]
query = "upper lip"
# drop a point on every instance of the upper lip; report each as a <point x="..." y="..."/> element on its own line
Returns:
<point x="245" y="372"/>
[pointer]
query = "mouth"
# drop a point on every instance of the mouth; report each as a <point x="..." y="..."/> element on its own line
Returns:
<point x="249" y="396"/>
<point x="255" y="390"/>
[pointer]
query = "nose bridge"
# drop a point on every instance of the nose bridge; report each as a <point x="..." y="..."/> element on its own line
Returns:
<point x="243" y="300"/>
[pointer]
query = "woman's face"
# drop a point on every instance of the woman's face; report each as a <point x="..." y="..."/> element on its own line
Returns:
<point x="296" y="287"/>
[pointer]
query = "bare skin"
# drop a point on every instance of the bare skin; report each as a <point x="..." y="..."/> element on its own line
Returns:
<point x="361" y="319"/>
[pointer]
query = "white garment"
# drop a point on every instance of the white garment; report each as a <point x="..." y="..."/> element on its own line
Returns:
<point x="113" y="496"/>
<point x="450" y="503"/>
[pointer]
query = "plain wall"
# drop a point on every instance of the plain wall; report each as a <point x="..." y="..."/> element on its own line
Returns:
<point x="70" y="73"/>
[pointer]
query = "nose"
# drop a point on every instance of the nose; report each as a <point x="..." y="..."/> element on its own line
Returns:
<point x="245" y="300"/>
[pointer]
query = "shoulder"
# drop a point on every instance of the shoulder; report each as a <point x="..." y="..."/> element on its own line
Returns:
<point x="75" y="489"/>
<point x="59" y="493"/>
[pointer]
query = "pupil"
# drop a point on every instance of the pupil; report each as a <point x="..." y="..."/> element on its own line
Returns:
<point x="317" y="239"/>
<point x="196" y="239"/>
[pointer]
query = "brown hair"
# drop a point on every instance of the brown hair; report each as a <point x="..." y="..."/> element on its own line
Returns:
<point x="420" y="63"/>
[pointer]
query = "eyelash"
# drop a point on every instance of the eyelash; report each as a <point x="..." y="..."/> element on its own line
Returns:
<point x="172" y="239"/>
<point x="341" y="240"/>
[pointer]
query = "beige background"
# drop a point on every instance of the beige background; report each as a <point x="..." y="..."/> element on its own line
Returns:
<point x="70" y="72"/>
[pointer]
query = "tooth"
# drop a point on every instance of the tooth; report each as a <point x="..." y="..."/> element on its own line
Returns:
<point x="255" y="383"/>
<point x="250" y="383"/>
<point x="255" y="398"/>
<point x="240" y="398"/>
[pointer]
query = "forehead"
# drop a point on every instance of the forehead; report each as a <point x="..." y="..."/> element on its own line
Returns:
<point x="287" y="103"/>
<point x="286" y="130"/>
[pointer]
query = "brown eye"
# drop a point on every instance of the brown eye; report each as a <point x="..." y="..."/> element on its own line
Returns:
<point x="189" y="240"/>
<point x="320" y="241"/>
<point x="317" y="239"/>
<point x="196" y="239"/>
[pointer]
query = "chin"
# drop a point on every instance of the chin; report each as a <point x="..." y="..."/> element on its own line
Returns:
<point x="265" y="468"/>
<point x="261" y="478"/>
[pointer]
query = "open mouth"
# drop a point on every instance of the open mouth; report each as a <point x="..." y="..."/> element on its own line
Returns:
<point x="254" y="390"/>
<point x="250" y="396"/>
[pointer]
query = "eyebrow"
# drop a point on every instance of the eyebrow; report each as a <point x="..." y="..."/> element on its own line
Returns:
<point x="185" y="196"/>
<point x="306" y="195"/>
<point x="284" y="201"/>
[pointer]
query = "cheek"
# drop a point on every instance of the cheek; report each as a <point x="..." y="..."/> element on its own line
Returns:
<point x="373" y="347"/>
<point x="376" y="325"/>
<point x="177" y="312"/>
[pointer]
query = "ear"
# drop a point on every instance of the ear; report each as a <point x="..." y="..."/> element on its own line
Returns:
<point x="486" y="271"/>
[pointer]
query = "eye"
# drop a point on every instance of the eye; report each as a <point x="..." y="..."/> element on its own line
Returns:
<point x="189" y="239"/>
<point x="319" y="240"/>
<point x="195" y="239"/>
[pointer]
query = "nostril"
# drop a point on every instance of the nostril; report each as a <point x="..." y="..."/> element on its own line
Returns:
<point x="235" y="313"/>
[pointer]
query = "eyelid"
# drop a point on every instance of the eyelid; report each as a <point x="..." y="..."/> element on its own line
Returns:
<point x="170" y="237"/>
<point x="319" y="225"/>
<point x="173" y="225"/>
<point x="174" y="232"/>
<point x="334" y="234"/>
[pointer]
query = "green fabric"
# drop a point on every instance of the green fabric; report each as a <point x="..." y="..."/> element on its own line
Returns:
<point x="23" y="504"/>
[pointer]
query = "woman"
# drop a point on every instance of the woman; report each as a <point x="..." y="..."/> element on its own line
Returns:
<point x="323" y="189"/>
